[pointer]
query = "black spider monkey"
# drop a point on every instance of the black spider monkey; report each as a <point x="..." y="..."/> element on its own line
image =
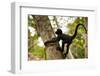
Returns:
<point x="65" y="38"/>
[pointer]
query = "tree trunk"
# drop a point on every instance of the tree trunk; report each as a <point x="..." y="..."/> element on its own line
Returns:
<point x="70" y="55"/>
<point x="45" y="31"/>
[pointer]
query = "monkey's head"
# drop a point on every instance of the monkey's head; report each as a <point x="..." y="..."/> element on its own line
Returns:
<point x="58" y="32"/>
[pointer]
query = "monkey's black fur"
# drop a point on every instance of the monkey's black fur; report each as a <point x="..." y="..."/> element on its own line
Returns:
<point x="65" y="38"/>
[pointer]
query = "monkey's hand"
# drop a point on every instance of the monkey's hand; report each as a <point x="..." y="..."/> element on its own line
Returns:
<point x="45" y="43"/>
<point x="50" y="41"/>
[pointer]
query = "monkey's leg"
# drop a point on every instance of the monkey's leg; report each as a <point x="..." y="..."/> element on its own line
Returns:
<point x="63" y="46"/>
<point x="67" y="50"/>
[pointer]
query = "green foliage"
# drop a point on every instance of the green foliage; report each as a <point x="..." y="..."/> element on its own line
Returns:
<point x="77" y="46"/>
<point x="38" y="51"/>
<point x="35" y="36"/>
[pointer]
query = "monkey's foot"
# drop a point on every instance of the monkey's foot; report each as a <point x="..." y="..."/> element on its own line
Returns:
<point x="65" y="55"/>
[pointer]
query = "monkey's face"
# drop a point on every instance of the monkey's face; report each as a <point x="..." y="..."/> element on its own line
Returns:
<point x="58" y="32"/>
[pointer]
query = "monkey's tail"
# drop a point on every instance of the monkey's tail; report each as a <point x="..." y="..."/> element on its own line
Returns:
<point x="75" y="33"/>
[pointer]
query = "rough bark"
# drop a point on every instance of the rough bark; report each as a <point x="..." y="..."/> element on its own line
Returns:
<point x="45" y="31"/>
<point x="56" y="21"/>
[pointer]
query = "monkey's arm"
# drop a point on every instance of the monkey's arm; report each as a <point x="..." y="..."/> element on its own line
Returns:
<point x="56" y="39"/>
